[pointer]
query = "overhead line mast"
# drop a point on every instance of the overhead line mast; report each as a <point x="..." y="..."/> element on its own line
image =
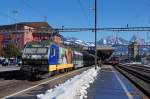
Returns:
<point x="95" y="30"/>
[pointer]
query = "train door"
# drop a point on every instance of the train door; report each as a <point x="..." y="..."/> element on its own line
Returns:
<point x="54" y="54"/>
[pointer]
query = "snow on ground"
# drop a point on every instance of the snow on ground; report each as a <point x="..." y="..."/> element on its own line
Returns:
<point x="74" y="88"/>
<point x="135" y="63"/>
<point x="147" y="65"/>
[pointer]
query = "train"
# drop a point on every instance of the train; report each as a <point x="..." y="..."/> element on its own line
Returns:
<point x="48" y="58"/>
<point x="115" y="61"/>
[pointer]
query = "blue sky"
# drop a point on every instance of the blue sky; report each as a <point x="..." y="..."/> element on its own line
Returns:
<point x="78" y="13"/>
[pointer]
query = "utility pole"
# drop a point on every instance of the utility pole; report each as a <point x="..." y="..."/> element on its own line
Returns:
<point x="16" y="13"/>
<point x="8" y="16"/>
<point x="95" y="28"/>
<point x="148" y="37"/>
<point x="45" y="18"/>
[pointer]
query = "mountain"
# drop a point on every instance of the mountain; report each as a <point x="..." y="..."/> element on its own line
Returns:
<point x="136" y="38"/>
<point x="108" y="40"/>
<point x="76" y="41"/>
<point x="111" y="40"/>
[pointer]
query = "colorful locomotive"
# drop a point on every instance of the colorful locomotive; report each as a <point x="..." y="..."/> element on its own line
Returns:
<point x="44" y="57"/>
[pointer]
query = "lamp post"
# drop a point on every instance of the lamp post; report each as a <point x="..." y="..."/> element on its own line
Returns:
<point x="15" y="13"/>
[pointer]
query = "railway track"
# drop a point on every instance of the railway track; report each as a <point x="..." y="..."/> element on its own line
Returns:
<point x="138" y="75"/>
<point x="139" y="67"/>
<point x="22" y="88"/>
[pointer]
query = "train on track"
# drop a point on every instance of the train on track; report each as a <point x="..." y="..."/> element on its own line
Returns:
<point x="48" y="58"/>
<point x="115" y="61"/>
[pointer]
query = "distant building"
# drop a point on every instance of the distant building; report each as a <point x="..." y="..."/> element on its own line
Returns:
<point x="133" y="50"/>
<point x="27" y="32"/>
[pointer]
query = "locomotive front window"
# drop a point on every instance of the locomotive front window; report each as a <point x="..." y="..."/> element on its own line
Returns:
<point x="36" y="50"/>
<point x="42" y="50"/>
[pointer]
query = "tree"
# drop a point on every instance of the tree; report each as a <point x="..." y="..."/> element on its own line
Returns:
<point x="2" y="52"/>
<point x="11" y="51"/>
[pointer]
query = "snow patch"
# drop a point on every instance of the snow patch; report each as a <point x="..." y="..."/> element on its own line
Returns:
<point x="74" y="88"/>
<point x="135" y="63"/>
<point x="75" y="41"/>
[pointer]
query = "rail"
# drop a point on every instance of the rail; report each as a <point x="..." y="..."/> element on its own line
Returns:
<point x="138" y="75"/>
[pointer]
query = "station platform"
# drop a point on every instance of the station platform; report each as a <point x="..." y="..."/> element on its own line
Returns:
<point x="9" y="68"/>
<point x="110" y="84"/>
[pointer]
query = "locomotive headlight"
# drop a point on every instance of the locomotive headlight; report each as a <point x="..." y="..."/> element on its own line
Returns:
<point x="27" y="56"/>
<point x="24" y="62"/>
<point x="46" y="56"/>
<point x="24" y="56"/>
<point x="44" y="62"/>
<point x="35" y="56"/>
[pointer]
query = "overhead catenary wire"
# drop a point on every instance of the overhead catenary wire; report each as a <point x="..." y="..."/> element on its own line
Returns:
<point x="112" y="29"/>
<point x="83" y="9"/>
<point x="10" y="16"/>
<point x="141" y="12"/>
<point x="35" y="10"/>
<point x="7" y="16"/>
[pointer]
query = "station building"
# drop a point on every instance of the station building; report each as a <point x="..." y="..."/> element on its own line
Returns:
<point x="20" y="33"/>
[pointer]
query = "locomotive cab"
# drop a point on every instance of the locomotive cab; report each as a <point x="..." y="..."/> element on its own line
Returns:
<point x="35" y="59"/>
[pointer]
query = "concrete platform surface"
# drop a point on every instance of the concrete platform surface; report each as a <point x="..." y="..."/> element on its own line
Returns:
<point x="110" y="84"/>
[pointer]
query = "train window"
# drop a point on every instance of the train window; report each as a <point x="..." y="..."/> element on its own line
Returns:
<point x="30" y="50"/>
<point x="53" y="51"/>
<point x="35" y="50"/>
<point x="42" y="50"/>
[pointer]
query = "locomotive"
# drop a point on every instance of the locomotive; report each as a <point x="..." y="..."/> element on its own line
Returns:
<point x="47" y="58"/>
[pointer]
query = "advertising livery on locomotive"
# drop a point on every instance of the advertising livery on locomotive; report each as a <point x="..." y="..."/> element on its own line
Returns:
<point x="46" y="57"/>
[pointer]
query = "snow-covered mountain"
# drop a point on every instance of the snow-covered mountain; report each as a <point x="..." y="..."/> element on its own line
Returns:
<point x="136" y="38"/>
<point x="75" y="41"/>
<point x="111" y="40"/>
<point x="108" y="40"/>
